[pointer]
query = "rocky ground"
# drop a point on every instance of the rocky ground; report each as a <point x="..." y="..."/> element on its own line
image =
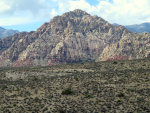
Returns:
<point x="102" y="87"/>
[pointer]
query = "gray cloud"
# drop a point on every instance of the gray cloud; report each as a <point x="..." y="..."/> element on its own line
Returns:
<point x="32" y="6"/>
<point x="119" y="11"/>
<point x="24" y="11"/>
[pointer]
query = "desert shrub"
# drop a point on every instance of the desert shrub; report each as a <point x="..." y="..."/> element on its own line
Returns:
<point x="138" y="110"/>
<point x="45" y="109"/>
<point x="3" y="87"/>
<point x="76" y="78"/>
<point x="36" y="91"/>
<point x="89" y="96"/>
<point x="115" y="62"/>
<point x="121" y="95"/>
<point x="62" y="111"/>
<point x="67" y="91"/>
<point x="36" y="99"/>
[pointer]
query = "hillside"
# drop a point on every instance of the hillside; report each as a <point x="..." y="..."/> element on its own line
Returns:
<point x="102" y="87"/>
<point x="75" y="36"/>
<point x="5" y="33"/>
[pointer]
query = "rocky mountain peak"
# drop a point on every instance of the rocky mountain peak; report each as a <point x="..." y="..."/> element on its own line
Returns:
<point x="75" y="36"/>
<point x="68" y="16"/>
<point x="78" y="21"/>
<point x="75" y="13"/>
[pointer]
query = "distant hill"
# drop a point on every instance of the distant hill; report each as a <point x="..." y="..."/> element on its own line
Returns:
<point x="5" y="33"/>
<point x="138" y="28"/>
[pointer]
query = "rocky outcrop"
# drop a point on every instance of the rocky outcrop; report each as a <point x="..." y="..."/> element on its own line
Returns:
<point x="131" y="46"/>
<point x="73" y="37"/>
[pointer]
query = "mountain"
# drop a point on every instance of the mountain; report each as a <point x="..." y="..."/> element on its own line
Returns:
<point x="5" y="33"/>
<point x="139" y="28"/>
<point x="75" y="36"/>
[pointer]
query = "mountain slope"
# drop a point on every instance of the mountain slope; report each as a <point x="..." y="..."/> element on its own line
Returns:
<point x="73" y="37"/>
<point x="5" y="33"/>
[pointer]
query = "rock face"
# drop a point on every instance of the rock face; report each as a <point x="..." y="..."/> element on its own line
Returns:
<point x="73" y="37"/>
<point x="5" y="33"/>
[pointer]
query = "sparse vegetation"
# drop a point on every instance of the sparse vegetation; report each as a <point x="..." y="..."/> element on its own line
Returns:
<point x="123" y="87"/>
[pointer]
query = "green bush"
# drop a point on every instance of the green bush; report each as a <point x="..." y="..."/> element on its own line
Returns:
<point x="115" y="62"/>
<point x="3" y="87"/>
<point x="121" y="95"/>
<point x="62" y="111"/>
<point x="67" y="91"/>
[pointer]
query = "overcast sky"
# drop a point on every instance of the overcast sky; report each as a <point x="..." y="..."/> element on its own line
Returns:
<point x="29" y="14"/>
